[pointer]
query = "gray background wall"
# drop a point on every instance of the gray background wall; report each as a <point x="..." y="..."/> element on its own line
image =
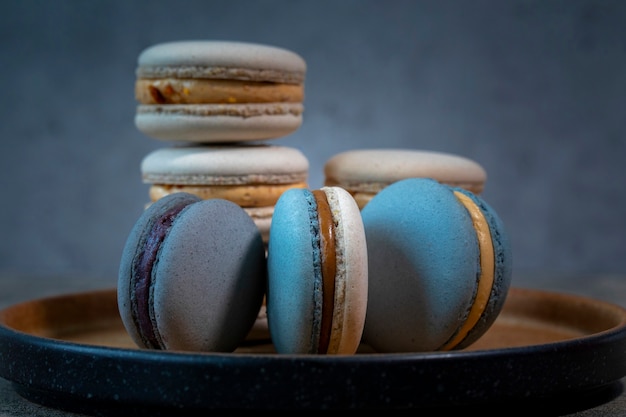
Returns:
<point x="535" y="91"/>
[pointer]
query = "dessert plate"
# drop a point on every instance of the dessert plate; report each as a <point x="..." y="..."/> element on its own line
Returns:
<point x="72" y="352"/>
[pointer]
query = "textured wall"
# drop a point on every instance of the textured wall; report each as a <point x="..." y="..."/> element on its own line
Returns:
<point x="533" y="90"/>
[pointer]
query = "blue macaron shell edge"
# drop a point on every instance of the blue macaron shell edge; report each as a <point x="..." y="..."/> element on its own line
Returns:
<point x="294" y="294"/>
<point x="503" y="255"/>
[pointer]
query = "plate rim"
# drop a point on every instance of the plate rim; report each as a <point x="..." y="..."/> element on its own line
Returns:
<point x="422" y="368"/>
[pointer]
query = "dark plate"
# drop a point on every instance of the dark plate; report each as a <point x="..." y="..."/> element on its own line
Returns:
<point x="72" y="352"/>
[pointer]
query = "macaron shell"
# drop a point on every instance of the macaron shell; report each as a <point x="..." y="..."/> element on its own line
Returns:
<point x="370" y="170"/>
<point x="503" y="269"/>
<point x="210" y="278"/>
<point x="254" y="171"/>
<point x="294" y="299"/>
<point x="225" y="165"/>
<point x="423" y="266"/>
<point x="351" y="281"/>
<point x="134" y="245"/>
<point x="192" y="126"/>
<point x="208" y="59"/>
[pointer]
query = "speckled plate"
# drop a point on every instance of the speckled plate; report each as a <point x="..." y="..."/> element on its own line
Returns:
<point x="71" y="352"/>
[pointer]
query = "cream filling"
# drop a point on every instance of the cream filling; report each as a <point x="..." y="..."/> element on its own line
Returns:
<point x="201" y="91"/>
<point x="487" y="270"/>
<point x="256" y="195"/>
<point x="329" y="268"/>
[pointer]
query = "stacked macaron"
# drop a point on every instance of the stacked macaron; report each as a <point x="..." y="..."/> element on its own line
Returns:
<point x="216" y="103"/>
<point x="365" y="172"/>
<point x="252" y="176"/>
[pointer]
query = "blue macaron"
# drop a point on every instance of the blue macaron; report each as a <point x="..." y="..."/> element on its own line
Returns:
<point x="317" y="273"/>
<point x="440" y="265"/>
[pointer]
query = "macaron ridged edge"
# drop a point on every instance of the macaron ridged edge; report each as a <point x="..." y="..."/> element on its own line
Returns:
<point x="129" y="271"/>
<point x="317" y="267"/>
<point x="502" y="269"/>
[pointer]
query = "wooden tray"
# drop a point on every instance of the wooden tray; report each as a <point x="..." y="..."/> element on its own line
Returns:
<point x="72" y="352"/>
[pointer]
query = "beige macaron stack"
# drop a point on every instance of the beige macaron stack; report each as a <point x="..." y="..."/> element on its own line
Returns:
<point x="217" y="104"/>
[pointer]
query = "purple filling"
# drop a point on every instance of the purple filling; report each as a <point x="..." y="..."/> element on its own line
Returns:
<point x="142" y="274"/>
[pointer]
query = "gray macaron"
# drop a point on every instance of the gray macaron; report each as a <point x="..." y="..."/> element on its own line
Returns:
<point x="192" y="275"/>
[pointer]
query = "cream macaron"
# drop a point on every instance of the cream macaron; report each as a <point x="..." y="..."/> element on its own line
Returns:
<point x="250" y="175"/>
<point x="364" y="172"/>
<point x="218" y="91"/>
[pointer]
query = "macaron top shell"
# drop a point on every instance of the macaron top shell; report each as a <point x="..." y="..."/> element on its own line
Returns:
<point x="221" y="59"/>
<point x="424" y="267"/>
<point x="370" y="170"/>
<point x="225" y="165"/>
<point x="295" y="288"/>
<point x="207" y="278"/>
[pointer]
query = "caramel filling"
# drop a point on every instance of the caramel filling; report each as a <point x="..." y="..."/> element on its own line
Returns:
<point x="329" y="267"/>
<point x="487" y="270"/>
<point x="211" y="91"/>
<point x="259" y="195"/>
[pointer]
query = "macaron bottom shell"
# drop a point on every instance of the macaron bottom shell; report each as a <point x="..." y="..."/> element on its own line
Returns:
<point x="190" y="124"/>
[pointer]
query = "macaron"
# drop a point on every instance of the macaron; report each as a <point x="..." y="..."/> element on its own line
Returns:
<point x="192" y="275"/>
<point x="317" y="273"/>
<point x="218" y="91"/>
<point x="251" y="175"/>
<point x="440" y="264"/>
<point x="364" y="172"/>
